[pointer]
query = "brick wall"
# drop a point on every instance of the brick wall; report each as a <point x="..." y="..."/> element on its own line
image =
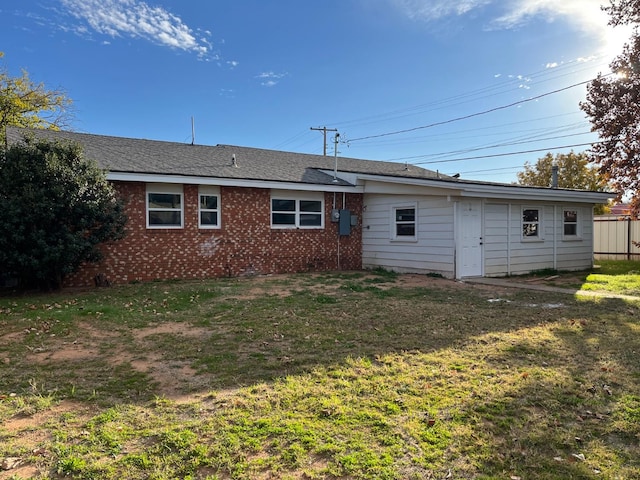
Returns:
<point x="245" y="244"/>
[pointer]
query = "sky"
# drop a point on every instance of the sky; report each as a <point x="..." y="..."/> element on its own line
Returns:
<point x="476" y="87"/>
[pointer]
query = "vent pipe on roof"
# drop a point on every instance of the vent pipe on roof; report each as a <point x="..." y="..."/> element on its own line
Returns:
<point x="554" y="175"/>
<point x="234" y="163"/>
<point x="193" y="131"/>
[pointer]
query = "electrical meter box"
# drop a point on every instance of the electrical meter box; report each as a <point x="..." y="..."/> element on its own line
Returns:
<point x="344" y="225"/>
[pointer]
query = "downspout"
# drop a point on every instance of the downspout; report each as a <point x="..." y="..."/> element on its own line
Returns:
<point x="337" y="234"/>
<point x="554" y="184"/>
<point x="456" y="236"/>
<point x="509" y="240"/>
<point x="555" y="237"/>
<point x="344" y="207"/>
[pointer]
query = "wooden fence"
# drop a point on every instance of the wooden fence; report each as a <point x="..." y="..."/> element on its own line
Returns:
<point x="614" y="238"/>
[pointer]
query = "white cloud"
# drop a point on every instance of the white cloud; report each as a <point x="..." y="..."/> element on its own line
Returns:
<point x="585" y="16"/>
<point x="271" y="75"/>
<point x="436" y="9"/>
<point x="270" y="78"/>
<point x="137" y="19"/>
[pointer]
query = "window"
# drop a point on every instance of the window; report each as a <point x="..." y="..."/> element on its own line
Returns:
<point x="404" y="222"/>
<point x="570" y="222"/>
<point x="290" y="210"/>
<point x="531" y="223"/>
<point x="164" y="206"/>
<point x="209" y="207"/>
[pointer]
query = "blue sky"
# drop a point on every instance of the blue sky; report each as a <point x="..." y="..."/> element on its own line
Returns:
<point x="458" y="86"/>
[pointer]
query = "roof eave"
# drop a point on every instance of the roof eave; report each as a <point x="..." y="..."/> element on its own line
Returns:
<point x="229" y="182"/>
<point x="498" y="191"/>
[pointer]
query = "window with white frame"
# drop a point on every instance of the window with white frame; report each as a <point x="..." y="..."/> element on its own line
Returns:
<point x="209" y="207"/>
<point x="531" y="223"/>
<point x="570" y="222"/>
<point x="165" y="206"/>
<point x="297" y="210"/>
<point x="404" y="222"/>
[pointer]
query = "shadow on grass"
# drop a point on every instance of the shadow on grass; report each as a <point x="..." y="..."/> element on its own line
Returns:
<point x="580" y="422"/>
<point x="509" y="372"/>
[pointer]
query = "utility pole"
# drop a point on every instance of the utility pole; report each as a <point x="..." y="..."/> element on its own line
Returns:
<point x="324" y="130"/>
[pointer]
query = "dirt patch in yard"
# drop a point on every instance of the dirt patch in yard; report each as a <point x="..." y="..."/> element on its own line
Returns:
<point x="172" y="377"/>
<point x="30" y="435"/>
<point x="283" y="285"/>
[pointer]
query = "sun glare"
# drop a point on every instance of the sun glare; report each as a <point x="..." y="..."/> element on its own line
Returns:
<point x="614" y="40"/>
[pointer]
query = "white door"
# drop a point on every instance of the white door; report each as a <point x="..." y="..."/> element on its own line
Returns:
<point x="469" y="262"/>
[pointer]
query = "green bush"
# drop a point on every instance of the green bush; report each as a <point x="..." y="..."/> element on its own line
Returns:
<point x="57" y="207"/>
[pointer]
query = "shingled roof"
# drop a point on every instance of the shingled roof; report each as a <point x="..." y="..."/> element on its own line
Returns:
<point x="138" y="156"/>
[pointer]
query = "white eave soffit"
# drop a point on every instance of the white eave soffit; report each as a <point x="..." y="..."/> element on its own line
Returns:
<point x="229" y="182"/>
<point x="358" y="181"/>
<point x="541" y="195"/>
<point x="498" y="192"/>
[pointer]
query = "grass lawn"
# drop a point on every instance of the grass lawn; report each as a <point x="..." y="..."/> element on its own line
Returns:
<point x="615" y="276"/>
<point x="620" y="277"/>
<point x="319" y="376"/>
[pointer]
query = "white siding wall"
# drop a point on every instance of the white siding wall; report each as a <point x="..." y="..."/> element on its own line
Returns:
<point x="434" y="250"/>
<point x="505" y="250"/>
<point x="495" y="239"/>
<point x="513" y="255"/>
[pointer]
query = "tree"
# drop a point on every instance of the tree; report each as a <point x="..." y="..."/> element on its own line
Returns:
<point x="24" y="103"/>
<point x="57" y="207"/>
<point x="613" y="107"/>
<point x="573" y="172"/>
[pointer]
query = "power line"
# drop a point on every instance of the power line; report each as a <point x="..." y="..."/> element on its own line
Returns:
<point x="504" y="144"/>
<point x="472" y="115"/>
<point x="457" y="133"/>
<point x="493" y="169"/>
<point x="469" y="96"/>
<point x="506" y="154"/>
<point x="290" y="140"/>
<point x="533" y="139"/>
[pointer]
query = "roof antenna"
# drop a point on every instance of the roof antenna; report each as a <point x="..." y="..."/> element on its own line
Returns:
<point x="193" y="131"/>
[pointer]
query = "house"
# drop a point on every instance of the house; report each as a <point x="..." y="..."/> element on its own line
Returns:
<point x="620" y="210"/>
<point x="199" y="211"/>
